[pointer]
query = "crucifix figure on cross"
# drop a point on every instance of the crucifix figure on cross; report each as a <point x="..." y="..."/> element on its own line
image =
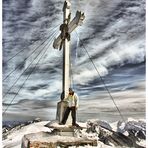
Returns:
<point x="63" y="41"/>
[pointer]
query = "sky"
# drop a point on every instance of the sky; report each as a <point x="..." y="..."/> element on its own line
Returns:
<point x="113" y="34"/>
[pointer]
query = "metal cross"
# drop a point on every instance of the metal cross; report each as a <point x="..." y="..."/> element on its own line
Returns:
<point x="63" y="40"/>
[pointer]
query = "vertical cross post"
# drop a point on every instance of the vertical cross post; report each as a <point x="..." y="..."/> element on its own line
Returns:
<point x="66" y="47"/>
<point x="63" y="41"/>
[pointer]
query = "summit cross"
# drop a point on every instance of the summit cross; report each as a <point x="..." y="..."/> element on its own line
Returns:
<point x="63" y="40"/>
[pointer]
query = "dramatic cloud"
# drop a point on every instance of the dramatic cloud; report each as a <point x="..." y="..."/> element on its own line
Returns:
<point x="113" y="34"/>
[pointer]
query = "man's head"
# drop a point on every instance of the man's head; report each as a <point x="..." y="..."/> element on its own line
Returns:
<point x="71" y="92"/>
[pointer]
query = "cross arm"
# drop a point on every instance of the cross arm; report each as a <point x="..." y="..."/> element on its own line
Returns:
<point x="57" y="42"/>
<point x="77" y="21"/>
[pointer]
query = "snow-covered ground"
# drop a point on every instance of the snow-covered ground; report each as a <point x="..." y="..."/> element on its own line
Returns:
<point x="15" y="136"/>
<point x="95" y="129"/>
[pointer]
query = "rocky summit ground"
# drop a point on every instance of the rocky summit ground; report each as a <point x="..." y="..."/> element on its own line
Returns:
<point x="131" y="133"/>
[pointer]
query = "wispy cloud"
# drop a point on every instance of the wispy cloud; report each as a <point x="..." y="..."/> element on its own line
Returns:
<point x="113" y="34"/>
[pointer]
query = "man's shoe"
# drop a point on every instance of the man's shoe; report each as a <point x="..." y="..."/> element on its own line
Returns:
<point x="61" y="123"/>
<point x="76" y="125"/>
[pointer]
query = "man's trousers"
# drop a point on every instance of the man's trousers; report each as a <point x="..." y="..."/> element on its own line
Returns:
<point x="73" y="115"/>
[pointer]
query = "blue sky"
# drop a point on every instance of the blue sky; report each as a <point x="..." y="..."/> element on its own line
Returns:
<point x="113" y="34"/>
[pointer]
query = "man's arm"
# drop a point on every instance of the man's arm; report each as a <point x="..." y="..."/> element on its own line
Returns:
<point x="66" y="97"/>
<point x="76" y="101"/>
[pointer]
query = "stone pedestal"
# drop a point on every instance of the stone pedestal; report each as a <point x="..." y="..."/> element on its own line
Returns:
<point x="46" y="140"/>
<point x="61" y="130"/>
<point x="65" y="132"/>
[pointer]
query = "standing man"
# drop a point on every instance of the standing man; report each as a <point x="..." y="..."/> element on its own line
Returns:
<point x="72" y="100"/>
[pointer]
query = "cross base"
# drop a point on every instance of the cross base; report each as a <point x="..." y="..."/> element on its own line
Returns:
<point x="61" y="107"/>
